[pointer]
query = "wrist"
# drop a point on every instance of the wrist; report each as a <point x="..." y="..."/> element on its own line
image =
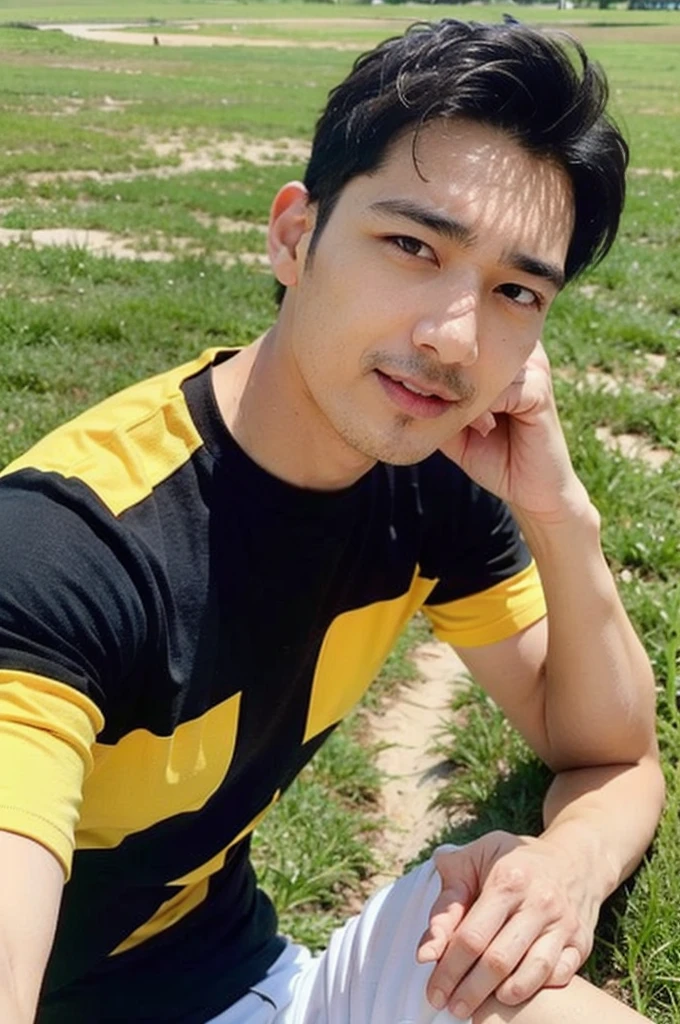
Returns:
<point x="571" y="508"/>
<point x="573" y="526"/>
<point x="588" y="855"/>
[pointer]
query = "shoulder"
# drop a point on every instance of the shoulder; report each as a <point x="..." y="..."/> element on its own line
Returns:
<point x="125" y="445"/>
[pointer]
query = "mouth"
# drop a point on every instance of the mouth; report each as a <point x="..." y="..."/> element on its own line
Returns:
<point x="419" y="399"/>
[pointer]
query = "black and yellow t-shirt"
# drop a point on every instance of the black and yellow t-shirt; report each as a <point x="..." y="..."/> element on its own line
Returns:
<point x="179" y="632"/>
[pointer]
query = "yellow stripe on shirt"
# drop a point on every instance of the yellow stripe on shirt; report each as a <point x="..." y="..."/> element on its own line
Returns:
<point x="123" y="460"/>
<point x="492" y="615"/>
<point x="46" y="733"/>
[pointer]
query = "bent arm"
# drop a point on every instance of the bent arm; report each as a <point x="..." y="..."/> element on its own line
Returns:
<point x="580" y="689"/>
<point x="31" y="884"/>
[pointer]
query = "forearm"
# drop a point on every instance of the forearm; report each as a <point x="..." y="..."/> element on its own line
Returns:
<point x="10" y="1013"/>
<point x="599" y="703"/>
<point x="599" y="688"/>
<point x="605" y="818"/>
<point x="14" y="1007"/>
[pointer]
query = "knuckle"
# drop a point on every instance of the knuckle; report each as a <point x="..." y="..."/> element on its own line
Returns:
<point x="510" y="879"/>
<point x="543" y="965"/>
<point x="516" y="991"/>
<point x="473" y="943"/>
<point x="548" y="901"/>
<point x="498" y="962"/>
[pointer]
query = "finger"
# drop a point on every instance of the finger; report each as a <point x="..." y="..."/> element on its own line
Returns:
<point x="489" y="967"/>
<point x="460" y="885"/>
<point x="446" y="914"/>
<point x="566" y="967"/>
<point x="483" y="424"/>
<point x="471" y="940"/>
<point x="535" y="970"/>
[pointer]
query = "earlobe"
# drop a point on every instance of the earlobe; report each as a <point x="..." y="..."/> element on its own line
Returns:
<point x="290" y="221"/>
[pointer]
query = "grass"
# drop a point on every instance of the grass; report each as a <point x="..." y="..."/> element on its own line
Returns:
<point x="74" y="327"/>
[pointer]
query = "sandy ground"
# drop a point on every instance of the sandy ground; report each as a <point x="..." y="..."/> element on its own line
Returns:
<point x="633" y="446"/>
<point x="116" y="33"/>
<point x="208" y="155"/>
<point x="103" y="243"/>
<point x="408" y="727"/>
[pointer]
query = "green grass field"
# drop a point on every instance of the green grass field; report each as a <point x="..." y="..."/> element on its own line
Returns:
<point x="150" y="146"/>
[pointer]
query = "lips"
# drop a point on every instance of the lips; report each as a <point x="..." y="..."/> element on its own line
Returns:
<point x="414" y="397"/>
<point x="422" y="388"/>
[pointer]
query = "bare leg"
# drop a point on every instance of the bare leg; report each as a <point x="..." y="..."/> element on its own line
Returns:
<point x="578" y="1003"/>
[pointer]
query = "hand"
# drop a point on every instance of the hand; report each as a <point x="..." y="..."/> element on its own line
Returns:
<point x="514" y="916"/>
<point x="517" y="449"/>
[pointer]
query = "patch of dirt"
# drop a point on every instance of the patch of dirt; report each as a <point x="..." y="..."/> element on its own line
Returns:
<point x="214" y="155"/>
<point x="655" y="362"/>
<point x="634" y="446"/>
<point x="642" y="172"/>
<point x="102" y="243"/>
<point x="226" y="154"/>
<point x="175" y="39"/>
<point x="226" y="225"/>
<point x="117" y="34"/>
<point x="72" y="105"/>
<point x="407" y="728"/>
<point x="595" y="379"/>
<point x="98" y="243"/>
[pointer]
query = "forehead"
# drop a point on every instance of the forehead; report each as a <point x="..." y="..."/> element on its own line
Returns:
<point x="480" y="176"/>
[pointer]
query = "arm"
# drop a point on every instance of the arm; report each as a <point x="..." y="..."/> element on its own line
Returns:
<point x="31" y="882"/>
<point x="516" y="913"/>
<point x="597" y="696"/>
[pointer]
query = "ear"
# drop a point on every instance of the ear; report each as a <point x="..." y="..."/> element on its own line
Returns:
<point x="290" y="221"/>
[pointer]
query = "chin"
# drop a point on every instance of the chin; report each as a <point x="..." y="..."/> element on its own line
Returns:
<point x="399" y="454"/>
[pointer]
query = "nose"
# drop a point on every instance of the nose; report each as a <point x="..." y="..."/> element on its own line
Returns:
<point x="452" y="332"/>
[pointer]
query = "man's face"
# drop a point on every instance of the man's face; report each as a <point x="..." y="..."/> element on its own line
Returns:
<point x="427" y="290"/>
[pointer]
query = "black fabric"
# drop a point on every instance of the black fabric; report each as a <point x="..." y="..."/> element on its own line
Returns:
<point x="223" y="581"/>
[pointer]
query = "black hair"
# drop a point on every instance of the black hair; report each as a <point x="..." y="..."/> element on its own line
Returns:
<point x="540" y="88"/>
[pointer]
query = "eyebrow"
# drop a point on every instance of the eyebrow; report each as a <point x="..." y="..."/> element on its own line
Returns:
<point x="439" y="222"/>
<point x="537" y="268"/>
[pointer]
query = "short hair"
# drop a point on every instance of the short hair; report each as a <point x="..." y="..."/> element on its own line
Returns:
<point x="539" y="88"/>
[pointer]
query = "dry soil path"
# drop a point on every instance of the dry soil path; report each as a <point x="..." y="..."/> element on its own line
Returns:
<point x="123" y="34"/>
<point x="407" y="728"/>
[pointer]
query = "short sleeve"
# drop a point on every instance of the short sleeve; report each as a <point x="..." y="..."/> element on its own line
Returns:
<point x="46" y="733"/>
<point x="487" y="587"/>
<point x="491" y="615"/>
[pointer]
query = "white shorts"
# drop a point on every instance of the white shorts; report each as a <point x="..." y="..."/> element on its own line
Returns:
<point x="368" y="974"/>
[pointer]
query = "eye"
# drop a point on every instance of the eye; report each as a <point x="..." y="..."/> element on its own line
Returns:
<point x="522" y="296"/>
<point x="412" y="247"/>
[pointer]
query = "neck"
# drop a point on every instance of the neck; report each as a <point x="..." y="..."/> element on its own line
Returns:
<point x="269" y="412"/>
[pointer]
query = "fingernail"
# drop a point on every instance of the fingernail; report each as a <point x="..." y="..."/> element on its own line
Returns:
<point x="461" y="1010"/>
<point x="438" y="999"/>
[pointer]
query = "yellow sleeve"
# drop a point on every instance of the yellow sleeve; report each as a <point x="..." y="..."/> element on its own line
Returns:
<point x="491" y="615"/>
<point x="46" y="732"/>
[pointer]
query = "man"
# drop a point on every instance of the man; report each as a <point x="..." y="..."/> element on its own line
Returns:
<point x="202" y="574"/>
